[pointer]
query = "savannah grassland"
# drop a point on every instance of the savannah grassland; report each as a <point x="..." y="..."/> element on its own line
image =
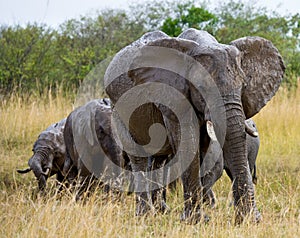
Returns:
<point x="23" y="214"/>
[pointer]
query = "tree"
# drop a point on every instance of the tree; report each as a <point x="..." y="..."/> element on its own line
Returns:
<point x="173" y="17"/>
<point x="35" y="58"/>
<point x="26" y="56"/>
<point x="190" y="16"/>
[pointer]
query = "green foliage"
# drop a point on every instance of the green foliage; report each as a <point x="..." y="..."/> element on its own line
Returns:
<point x="35" y="58"/>
<point x="85" y="42"/>
<point x="26" y="56"/>
<point x="190" y="17"/>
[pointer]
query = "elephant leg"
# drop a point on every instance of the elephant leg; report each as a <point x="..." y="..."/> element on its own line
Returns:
<point x="209" y="179"/>
<point x="192" y="189"/>
<point x="158" y="188"/>
<point x="59" y="181"/>
<point x="141" y="184"/>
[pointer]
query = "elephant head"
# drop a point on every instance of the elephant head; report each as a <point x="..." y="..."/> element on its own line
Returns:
<point x="235" y="82"/>
<point x="48" y="154"/>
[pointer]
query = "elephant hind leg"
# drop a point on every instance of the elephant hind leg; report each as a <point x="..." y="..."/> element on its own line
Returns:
<point x="159" y="180"/>
<point x="141" y="185"/>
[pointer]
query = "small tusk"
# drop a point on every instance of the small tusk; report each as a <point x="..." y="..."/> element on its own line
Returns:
<point x="47" y="172"/>
<point x="23" y="171"/>
<point x="210" y="131"/>
<point x="250" y="131"/>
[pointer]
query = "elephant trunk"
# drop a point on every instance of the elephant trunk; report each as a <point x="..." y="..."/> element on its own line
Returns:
<point x="236" y="160"/>
<point x="41" y="176"/>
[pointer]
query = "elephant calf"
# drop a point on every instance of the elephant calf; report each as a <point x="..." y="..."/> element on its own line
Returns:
<point x="91" y="149"/>
<point x="48" y="155"/>
<point x="210" y="175"/>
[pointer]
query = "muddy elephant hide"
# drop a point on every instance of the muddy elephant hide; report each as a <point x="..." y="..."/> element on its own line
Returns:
<point x="48" y="154"/>
<point x="225" y="84"/>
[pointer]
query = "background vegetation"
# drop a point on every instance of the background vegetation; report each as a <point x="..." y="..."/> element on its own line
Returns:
<point x="25" y="215"/>
<point x="36" y="57"/>
<point x="41" y="71"/>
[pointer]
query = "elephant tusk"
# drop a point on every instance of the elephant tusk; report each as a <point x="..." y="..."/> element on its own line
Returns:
<point x="210" y="131"/>
<point x="250" y="131"/>
<point x="23" y="171"/>
<point x="47" y="172"/>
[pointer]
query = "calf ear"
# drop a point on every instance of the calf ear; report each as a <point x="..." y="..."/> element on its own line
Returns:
<point x="264" y="69"/>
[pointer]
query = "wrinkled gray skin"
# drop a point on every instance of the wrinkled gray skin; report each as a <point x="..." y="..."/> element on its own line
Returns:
<point x="48" y="155"/>
<point x="247" y="72"/>
<point x="209" y="174"/>
<point x="97" y="115"/>
<point x="209" y="177"/>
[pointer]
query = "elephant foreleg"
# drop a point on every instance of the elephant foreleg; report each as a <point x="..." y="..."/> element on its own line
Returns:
<point x="192" y="189"/>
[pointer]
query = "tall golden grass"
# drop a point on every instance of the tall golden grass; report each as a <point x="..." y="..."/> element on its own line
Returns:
<point x="22" y="214"/>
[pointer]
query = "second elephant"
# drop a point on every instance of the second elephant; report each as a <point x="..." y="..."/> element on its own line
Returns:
<point x="210" y="175"/>
<point x="91" y="149"/>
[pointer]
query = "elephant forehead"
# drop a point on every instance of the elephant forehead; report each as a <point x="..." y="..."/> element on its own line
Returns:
<point x="182" y="45"/>
<point x="51" y="139"/>
<point x="221" y="61"/>
<point x="49" y="143"/>
<point x="150" y="37"/>
<point x="53" y="135"/>
<point x="199" y="36"/>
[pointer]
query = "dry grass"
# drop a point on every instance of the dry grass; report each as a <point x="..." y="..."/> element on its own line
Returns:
<point x="22" y="214"/>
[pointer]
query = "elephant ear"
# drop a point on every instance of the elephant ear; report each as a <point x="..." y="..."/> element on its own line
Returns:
<point x="264" y="69"/>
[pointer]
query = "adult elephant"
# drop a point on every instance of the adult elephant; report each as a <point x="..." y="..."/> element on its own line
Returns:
<point x="225" y="84"/>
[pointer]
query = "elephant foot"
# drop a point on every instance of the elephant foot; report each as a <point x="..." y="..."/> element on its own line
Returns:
<point x="253" y="216"/>
<point x="193" y="217"/>
<point x="209" y="199"/>
<point x="162" y="208"/>
<point x="142" y="208"/>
